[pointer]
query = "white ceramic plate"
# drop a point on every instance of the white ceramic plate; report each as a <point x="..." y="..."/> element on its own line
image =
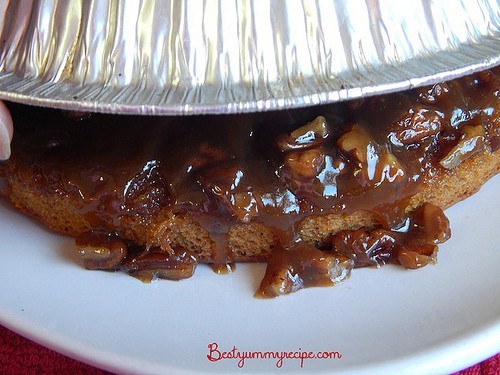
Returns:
<point x="435" y="320"/>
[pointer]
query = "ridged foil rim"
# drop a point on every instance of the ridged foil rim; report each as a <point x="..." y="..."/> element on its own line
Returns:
<point x="7" y="93"/>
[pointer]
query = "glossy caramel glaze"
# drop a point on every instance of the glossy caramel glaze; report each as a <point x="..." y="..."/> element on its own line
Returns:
<point x="272" y="168"/>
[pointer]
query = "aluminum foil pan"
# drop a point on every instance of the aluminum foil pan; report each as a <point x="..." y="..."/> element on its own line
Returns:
<point x="226" y="56"/>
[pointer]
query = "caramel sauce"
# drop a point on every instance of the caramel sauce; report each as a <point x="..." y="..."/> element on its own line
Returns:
<point x="273" y="168"/>
<point x="300" y="266"/>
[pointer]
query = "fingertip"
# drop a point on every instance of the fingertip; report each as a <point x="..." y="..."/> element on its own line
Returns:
<point x="6" y="131"/>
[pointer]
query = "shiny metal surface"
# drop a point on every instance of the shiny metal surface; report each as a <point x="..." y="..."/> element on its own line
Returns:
<point x="208" y="56"/>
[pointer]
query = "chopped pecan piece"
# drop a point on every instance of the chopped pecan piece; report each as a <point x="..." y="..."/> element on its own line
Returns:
<point x="310" y="135"/>
<point x="301" y="266"/>
<point x="225" y="183"/>
<point x="430" y="223"/>
<point x="376" y="164"/>
<point x="418" y="123"/>
<point x="101" y="250"/>
<point x="154" y="264"/>
<point x="418" y="257"/>
<point x="304" y="165"/>
<point x="357" y="142"/>
<point x="365" y="248"/>
<point x="427" y="227"/>
<point x="390" y="168"/>
<point x="472" y="141"/>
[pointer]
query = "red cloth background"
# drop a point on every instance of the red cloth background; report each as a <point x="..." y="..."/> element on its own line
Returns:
<point x="21" y="356"/>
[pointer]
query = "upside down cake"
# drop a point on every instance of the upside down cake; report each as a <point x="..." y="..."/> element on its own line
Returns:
<point x="314" y="192"/>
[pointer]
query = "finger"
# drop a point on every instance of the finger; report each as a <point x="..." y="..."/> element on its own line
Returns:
<point x="6" y="131"/>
